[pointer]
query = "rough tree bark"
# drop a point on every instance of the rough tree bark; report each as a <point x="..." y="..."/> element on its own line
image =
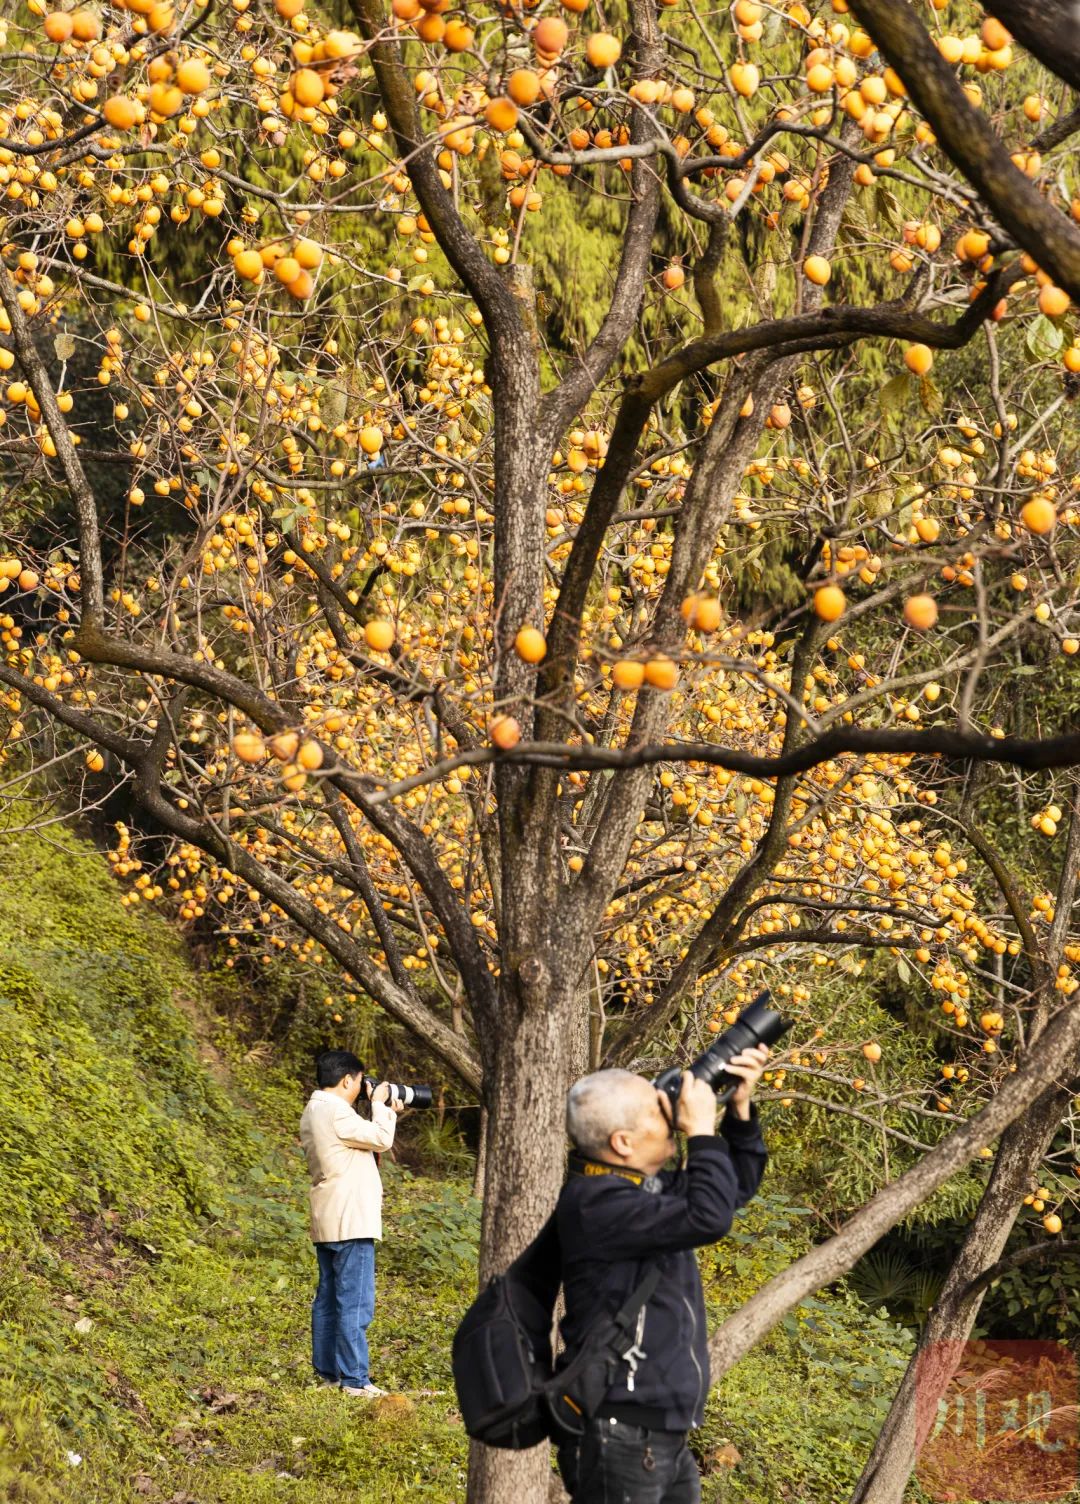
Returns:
<point x="525" y="1093"/>
<point x="1050" y="32"/>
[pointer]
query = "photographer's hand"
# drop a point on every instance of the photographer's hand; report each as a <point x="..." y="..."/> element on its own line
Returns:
<point x="382" y="1094"/>
<point x="697" y="1107"/>
<point x="748" y="1066"/>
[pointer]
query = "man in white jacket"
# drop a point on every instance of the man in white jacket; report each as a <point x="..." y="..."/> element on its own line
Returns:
<point x="346" y="1215"/>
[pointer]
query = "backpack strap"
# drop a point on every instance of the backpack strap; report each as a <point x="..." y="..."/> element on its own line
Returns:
<point x="575" y="1393"/>
<point x="637" y="1299"/>
<point x="633" y="1311"/>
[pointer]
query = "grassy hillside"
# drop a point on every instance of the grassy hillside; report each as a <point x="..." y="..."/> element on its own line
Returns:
<point x="155" y="1271"/>
<point x="154" y="1263"/>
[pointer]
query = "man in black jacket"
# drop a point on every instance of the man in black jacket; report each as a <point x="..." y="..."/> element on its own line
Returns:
<point x="620" y="1212"/>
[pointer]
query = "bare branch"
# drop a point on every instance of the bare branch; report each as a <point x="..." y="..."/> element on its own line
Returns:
<point x="829" y="1260"/>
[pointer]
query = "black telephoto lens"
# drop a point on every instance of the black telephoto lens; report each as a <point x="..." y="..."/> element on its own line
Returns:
<point x="756" y="1024"/>
<point x="411" y="1096"/>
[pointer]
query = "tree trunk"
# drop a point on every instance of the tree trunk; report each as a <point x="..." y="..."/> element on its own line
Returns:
<point x="528" y="1071"/>
<point x="1021" y="1150"/>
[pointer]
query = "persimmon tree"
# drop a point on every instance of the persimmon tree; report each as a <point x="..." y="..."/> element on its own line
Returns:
<point x="552" y="672"/>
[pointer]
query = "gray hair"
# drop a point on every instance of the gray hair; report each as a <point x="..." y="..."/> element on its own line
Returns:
<point x="599" y="1105"/>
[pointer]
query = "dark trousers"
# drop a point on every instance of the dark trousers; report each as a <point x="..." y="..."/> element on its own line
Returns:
<point x="616" y="1463"/>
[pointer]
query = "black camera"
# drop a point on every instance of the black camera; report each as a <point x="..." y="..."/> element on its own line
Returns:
<point x="756" y="1024"/>
<point x="411" y="1096"/>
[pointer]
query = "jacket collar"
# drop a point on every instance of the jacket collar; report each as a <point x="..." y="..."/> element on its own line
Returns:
<point x="581" y="1164"/>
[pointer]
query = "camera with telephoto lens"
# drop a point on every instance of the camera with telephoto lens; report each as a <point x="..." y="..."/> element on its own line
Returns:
<point x="410" y="1096"/>
<point x="756" y="1024"/>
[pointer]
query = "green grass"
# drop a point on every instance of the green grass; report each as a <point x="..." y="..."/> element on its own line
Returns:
<point x="155" y="1268"/>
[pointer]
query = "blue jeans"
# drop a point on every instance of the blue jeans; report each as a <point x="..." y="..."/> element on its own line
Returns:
<point x="342" y="1310"/>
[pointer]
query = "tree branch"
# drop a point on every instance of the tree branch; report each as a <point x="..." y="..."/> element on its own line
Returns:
<point x="92" y="593"/>
<point x="1050" y="752"/>
<point x="893" y="320"/>
<point x="828" y="1261"/>
<point x="562" y="403"/>
<point x="1040" y="1253"/>
<point x="493" y="297"/>
<point x="964" y="132"/>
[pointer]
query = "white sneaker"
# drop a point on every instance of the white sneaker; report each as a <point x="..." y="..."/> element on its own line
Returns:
<point x="364" y="1391"/>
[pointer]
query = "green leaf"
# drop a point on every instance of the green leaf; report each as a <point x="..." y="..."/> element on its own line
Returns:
<point x="894" y="393"/>
<point x="888" y="206"/>
<point x="332" y="404"/>
<point x="64" y="345"/>
<point x="1044" y="339"/>
<point x="287" y="516"/>
<point x="774" y="25"/>
<point x="930" y="397"/>
<point x="903" y="970"/>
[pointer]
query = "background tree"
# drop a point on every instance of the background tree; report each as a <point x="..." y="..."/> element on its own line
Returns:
<point x="556" y="676"/>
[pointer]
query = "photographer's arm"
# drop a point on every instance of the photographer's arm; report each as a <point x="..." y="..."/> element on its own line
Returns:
<point x="358" y="1133"/>
<point x="747" y="1149"/>
<point x="723" y="1171"/>
<point x="626" y="1223"/>
<point x="739" y="1127"/>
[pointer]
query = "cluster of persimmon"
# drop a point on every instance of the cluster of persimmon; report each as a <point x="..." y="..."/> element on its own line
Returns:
<point x="414" y="566"/>
<point x="716" y="819"/>
<point x="1037" y="517"/>
<point x="313" y="85"/>
<point x="1046" y="820"/>
<point x="292" y="265"/>
<point x="837" y="60"/>
<point x="837" y="65"/>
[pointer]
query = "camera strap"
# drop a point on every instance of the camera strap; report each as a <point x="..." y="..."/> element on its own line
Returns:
<point x="580" y="1164"/>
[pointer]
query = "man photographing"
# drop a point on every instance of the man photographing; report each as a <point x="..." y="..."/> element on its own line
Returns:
<point x="618" y="1214"/>
<point x="346" y="1214"/>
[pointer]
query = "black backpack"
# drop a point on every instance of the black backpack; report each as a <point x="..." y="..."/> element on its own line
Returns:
<point x="507" y="1389"/>
<point x="502" y="1360"/>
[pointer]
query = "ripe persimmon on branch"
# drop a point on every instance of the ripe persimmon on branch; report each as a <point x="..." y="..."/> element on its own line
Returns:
<point x="1024" y="211"/>
<point x="545" y="527"/>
